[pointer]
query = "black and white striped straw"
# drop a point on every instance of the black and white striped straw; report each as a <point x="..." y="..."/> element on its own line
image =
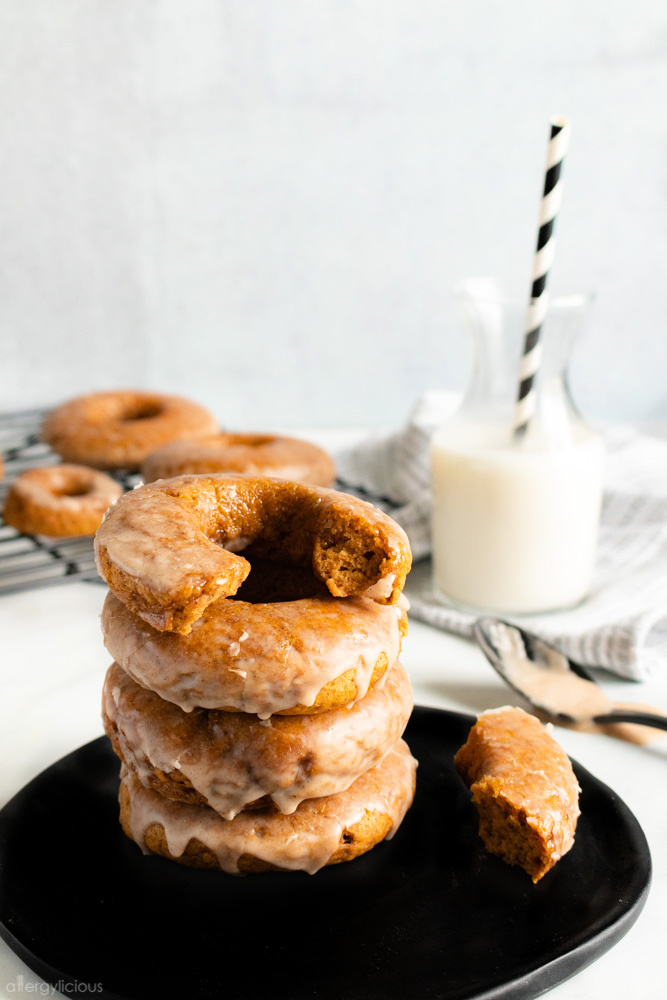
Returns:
<point x="542" y="262"/>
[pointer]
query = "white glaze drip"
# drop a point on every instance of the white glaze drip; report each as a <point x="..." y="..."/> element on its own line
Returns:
<point x="305" y="840"/>
<point x="232" y="760"/>
<point x="294" y="650"/>
<point x="381" y="589"/>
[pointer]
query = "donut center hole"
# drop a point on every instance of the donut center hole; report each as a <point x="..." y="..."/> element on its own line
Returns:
<point x="247" y="440"/>
<point x="75" y="490"/>
<point x="277" y="582"/>
<point x="255" y="440"/>
<point x="142" y="411"/>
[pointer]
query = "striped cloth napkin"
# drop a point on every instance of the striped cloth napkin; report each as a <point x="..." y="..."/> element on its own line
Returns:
<point x="622" y="626"/>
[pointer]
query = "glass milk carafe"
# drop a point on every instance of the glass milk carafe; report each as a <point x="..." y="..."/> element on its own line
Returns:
<point x="515" y="517"/>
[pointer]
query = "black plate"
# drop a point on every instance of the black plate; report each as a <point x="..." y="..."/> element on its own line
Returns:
<point x="428" y="914"/>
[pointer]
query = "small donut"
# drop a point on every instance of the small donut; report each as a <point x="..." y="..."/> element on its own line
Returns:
<point x="319" y="832"/>
<point x="168" y="549"/>
<point x="117" y="430"/>
<point x="298" y="657"/>
<point x="60" y="501"/>
<point x="524" y="788"/>
<point x="232" y="761"/>
<point x="250" y="454"/>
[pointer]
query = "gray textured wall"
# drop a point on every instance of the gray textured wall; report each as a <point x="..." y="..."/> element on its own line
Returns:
<point x="264" y="203"/>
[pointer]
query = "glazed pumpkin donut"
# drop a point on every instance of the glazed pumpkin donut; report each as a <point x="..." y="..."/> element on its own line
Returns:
<point x="250" y="454"/>
<point x="232" y="761"/>
<point x="60" y="501"/>
<point x="523" y="785"/>
<point x="117" y="430"/>
<point x="319" y="832"/>
<point x="168" y="550"/>
<point x="296" y="657"/>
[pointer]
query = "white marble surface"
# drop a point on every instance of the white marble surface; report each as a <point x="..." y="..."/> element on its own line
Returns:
<point x="289" y="190"/>
<point x="51" y="672"/>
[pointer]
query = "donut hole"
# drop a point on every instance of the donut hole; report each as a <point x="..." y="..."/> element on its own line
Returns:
<point x="75" y="490"/>
<point x="141" y="410"/>
<point x="277" y="583"/>
<point x="250" y="440"/>
<point x="64" y="485"/>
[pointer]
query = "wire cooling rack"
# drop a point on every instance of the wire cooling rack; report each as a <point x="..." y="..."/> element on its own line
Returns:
<point x="30" y="561"/>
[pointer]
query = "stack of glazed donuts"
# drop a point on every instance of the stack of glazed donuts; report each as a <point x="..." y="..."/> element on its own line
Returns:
<point x="257" y="702"/>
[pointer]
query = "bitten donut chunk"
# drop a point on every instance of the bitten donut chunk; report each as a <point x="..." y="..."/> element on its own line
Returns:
<point x="319" y="832"/>
<point x="250" y="454"/>
<point x="524" y="788"/>
<point x="232" y="761"/>
<point x="290" y="657"/>
<point x="169" y="549"/>
<point x="60" y="501"/>
<point x="117" y="430"/>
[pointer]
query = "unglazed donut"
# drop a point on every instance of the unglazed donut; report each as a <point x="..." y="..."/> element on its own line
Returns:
<point x="250" y="454"/>
<point x="168" y="550"/>
<point x="117" y="430"/>
<point x="60" y="501"/>
<point x="524" y="788"/>
<point x="291" y="658"/>
<point x="319" y="832"/>
<point x="230" y="761"/>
